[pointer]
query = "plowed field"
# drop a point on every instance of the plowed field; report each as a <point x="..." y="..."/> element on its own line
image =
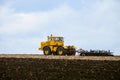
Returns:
<point x="40" y="67"/>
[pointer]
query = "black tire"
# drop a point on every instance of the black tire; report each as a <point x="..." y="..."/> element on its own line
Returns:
<point x="60" y="51"/>
<point x="82" y="54"/>
<point x="47" y="51"/>
<point x="71" y="51"/>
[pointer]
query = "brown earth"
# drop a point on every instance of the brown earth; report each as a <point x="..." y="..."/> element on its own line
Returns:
<point x="40" y="67"/>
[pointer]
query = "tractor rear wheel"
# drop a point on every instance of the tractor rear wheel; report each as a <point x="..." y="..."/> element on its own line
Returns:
<point x="47" y="51"/>
<point x="60" y="51"/>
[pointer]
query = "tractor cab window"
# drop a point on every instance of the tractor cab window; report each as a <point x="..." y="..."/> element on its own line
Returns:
<point x="55" y="38"/>
<point x="59" y="39"/>
<point x="50" y="38"/>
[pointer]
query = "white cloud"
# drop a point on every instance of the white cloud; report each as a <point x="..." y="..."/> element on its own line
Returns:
<point x="21" y="22"/>
<point x="17" y="23"/>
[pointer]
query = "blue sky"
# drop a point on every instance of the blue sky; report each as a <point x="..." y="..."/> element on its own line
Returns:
<point x="87" y="24"/>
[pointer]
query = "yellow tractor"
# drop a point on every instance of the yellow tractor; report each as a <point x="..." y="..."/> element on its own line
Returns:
<point x="55" y="45"/>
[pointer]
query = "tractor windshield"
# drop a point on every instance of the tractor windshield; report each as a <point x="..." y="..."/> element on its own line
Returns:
<point x="55" y="38"/>
<point x="59" y="39"/>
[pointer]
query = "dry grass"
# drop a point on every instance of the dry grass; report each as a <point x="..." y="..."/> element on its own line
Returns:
<point x="114" y="58"/>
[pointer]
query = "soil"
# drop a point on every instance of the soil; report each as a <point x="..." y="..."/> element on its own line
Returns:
<point x="60" y="68"/>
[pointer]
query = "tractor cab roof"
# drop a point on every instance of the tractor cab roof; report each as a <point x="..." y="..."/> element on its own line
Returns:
<point x="54" y="36"/>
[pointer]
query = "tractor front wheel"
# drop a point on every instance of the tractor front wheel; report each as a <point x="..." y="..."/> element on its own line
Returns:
<point x="47" y="51"/>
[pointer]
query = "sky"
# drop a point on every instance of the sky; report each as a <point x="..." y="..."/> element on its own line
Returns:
<point x="87" y="24"/>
